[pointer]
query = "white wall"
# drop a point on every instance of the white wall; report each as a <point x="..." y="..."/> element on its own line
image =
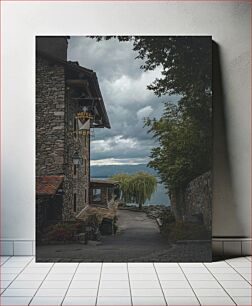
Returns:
<point x="227" y="22"/>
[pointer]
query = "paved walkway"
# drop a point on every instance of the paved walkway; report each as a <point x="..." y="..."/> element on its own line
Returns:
<point x="138" y="239"/>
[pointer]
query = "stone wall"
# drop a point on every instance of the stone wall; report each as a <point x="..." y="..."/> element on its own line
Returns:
<point x="75" y="184"/>
<point x="50" y="113"/>
<point x="198" y="199"/>
<point x="56" y="140"/>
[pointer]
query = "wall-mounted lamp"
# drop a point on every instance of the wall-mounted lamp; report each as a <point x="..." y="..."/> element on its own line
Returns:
<point x="77" y="160"/>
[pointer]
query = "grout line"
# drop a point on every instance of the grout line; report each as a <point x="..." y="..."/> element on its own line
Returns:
<point x="189" y="283"/>
<point x="247" y="258"/>
<point x="96" y="300"/>
<point x="70" y="283"/>
<point x="160" y="283"/>
<point x="9" y="257"/>
<point x="220" y="284"/>
<point x="239" y="272"/>
<point x="131" y="299"/>
<point x="41" y="282"/>
<point x="16" y="275"/>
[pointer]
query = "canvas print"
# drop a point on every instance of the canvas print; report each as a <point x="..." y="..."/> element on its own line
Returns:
<point x="123" y="148"/>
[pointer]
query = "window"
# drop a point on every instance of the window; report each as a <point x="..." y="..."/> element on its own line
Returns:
<point x="96" y="195"/>
<point x="74" y="202"/>
<point x="75" y="127"/>
<point x="85" y="195"/>
<point x="85" y="166"/>
<point x="75" y="170"/>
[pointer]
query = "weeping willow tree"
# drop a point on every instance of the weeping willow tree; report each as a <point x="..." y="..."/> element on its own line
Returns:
<point x="137" y="187"/>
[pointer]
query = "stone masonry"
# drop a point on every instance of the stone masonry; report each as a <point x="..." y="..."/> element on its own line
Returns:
<point x="50" y="112"/>
<point x="78" y="183"/>
<point x="56" y="140"/>
<point x="198" y="198"/>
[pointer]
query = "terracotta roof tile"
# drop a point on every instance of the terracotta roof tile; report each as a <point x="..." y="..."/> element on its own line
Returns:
<point x="48" y="185"/>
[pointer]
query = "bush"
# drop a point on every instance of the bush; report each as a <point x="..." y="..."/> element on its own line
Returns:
<point x="63" y="231"/>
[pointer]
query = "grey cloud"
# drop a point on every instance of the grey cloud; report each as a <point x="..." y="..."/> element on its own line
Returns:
<point x="123" y="86"/>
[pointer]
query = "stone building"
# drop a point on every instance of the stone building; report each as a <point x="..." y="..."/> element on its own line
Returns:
<point x="69" y="104"/>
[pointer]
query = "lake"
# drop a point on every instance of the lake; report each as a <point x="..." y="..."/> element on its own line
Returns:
<point x="159" y="197"/>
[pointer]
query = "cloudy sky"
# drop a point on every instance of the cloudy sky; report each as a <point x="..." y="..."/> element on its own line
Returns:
<point x="127" y="100"/>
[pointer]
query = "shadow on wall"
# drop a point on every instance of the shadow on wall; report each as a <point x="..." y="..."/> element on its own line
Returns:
<point x="226" y="221"/>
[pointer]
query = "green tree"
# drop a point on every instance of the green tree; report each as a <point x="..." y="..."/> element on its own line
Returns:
<point x="137" y="187"/>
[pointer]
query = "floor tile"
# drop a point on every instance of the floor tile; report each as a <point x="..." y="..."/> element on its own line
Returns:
<point x="178" y="292"/>
<point x="243" y="270"/>
<point x="147" y="300"/>
<point x="63" y="271"/>
<point x="114" y="284"/>
<point x="236" y="259"/>
<point x="51" y="292"/>
<point x="31" y="270"/>
<point x="115" y="270"/>
<point x="14" y="264"/>
<point x="5" y="283"/>
<point x="65" y="265"/>
<point x="168" y="270"/>
<point x="239" y="291"/>
<point x="82" y="292"/>
<point x="116" y="301"/>
<point x="8" y="276"/>
<point x="87" y="277"/>
<point x="88" y="269"/>
<point x="9" y="270"/>
<point x="195" y="270"/>
<point x="113" y="277"/>
<point x="40" y="265"/>
<point x="201" y="276"/>
<point x="24" y="284"/>
<point x="216" y="264"/>
<point x="140" y="264"/>
<point x="144" y="270"/>
<point x="180" y="300"/>
<point x="59" y="277"/>
<point x="241" y="264"/>
<point x="47" y="300"/>
<point x="220" y="300"/>
<point x="146" y="292"/>
<point x="219" y="270"/>
<point x="3" y="259"/>
<point x="19" y="292"/>
<point x="86" y="284"/>
<point x="80" y="300"/>
<point x="144" y="284"/>
<point x="191" y="264"/>
<point x="229" y="276"/>
<point x="15" y="300"/>
<point x="171" y="276"/>
<point x="22" y="258"/>
<point x="243" y="300"/>
<point x="210" y="292"/>
<point x="144" y="277"/>
<point x="204" y="284"/>
<point x="166" y="264"/>
<point x="234" y="284"/>
<point x="30" y="276"/>
<point x="174" y="284"/>
<point x="114" y="292"/>
<point x="248" y="277"/>
<point x="55" y="284"/>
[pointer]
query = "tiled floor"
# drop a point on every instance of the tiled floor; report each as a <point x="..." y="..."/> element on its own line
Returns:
<point x="24" y="282"/>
